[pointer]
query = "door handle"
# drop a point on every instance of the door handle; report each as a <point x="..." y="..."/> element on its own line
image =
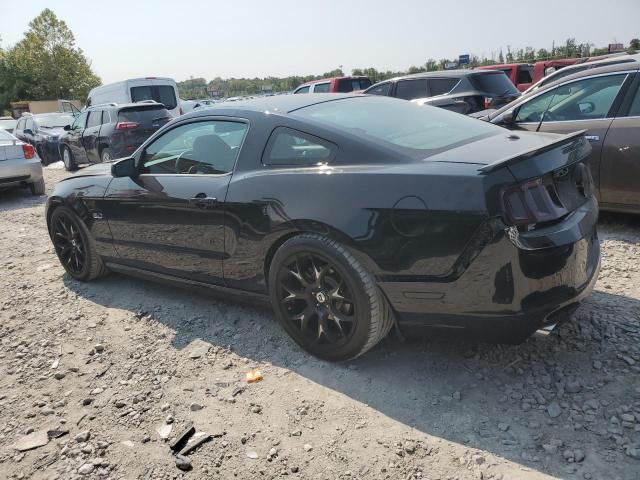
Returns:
<point x="202" y="201"/>
<point x="592" y="138"/>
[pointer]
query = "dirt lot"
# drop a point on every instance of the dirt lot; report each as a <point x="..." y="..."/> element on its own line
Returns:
<point x="121" y="362"/>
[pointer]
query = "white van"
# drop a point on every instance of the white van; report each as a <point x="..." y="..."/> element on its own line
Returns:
<point x="162" y="90"/>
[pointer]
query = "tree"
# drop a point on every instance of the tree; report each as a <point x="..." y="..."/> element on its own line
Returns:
<point x="45" y="64"/>
<point x="634" y="45"/>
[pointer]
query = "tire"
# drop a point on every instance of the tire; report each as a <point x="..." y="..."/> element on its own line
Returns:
<point x="70" y="164"/>
<point x="91" y="266"/>
<point x="340" y="313"/>
<point x="40" y="154"/>
<point x="37" y="188"/>
<point x="106" y="155"/>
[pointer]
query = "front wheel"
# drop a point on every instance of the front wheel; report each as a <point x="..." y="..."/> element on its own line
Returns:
<point x="74" y="246"/>
<point x="325" y="299"/>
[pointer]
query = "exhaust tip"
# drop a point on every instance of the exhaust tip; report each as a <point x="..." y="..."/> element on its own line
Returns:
<point x="545" y="331"/>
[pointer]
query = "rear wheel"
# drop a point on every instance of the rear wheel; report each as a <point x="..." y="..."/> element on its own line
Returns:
<point x="67" y="158"/>
<point x="106" y="155"/>
<point x="325" y="299"/>
<point x="37" y="188"/>
<point x="74" y="246"/>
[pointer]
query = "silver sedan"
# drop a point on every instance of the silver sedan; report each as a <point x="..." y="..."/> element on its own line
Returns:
<point x="19" y="165"/>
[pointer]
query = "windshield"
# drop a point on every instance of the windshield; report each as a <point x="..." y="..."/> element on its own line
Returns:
<point x="52" y="121"/>
<point x="494" y="84"/>
<point x="419" y="131"/>
<point x="146" y="117"/>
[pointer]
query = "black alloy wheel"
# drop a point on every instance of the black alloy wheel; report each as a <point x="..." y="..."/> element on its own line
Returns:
<point x="69" y="244"/>
<point x="316" y="299"/>
<point x="325" y="299"/>
<point x="74" y="245"/>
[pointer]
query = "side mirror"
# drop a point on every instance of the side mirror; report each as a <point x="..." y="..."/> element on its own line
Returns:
<point x="67" y="128"/>
<point x="28" y="131"/>
<point x="506" y="118"/>
<point x="124" y="168"/>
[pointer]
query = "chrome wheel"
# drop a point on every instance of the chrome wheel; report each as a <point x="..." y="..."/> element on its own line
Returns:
<point x="69" y="244"/>
<point x="106" y="156"/>
<point x="316" y="299"/>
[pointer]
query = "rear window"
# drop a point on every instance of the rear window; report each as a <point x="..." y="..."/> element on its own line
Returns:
<point x="149" y="117"/>
<point x="164" y="94"/>
<point x="347" y="85"/>
<point x="8" y="123"/>
<point x="495" y="84"/>
<point x="415" y="130"/>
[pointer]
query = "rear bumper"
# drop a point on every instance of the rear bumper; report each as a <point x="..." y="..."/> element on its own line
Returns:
<point x="517" y="283"/>
<point x="19" y="171"/>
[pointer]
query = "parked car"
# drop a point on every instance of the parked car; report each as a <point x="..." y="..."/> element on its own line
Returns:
<point x="605" y="102"/>
<point x="520" y="74"/>
<point x="104" y="132"/>
<point x="461" y="91"/>
<point x="43" y="131"/>
<point x="158" y="89"/>
<point x="579" y="67"/>
<point x="8" y="124"/>
<point x="335" y="85"/>
<point x="19" y="165"/>
<point x="347" y="213"/>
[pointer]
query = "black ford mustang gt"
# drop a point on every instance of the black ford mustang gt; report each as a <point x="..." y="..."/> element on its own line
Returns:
<point x="348" y="213"/>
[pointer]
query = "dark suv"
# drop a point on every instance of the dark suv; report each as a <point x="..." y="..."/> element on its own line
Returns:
<point x="462" y="91"/>
<point x="104" y="132"/>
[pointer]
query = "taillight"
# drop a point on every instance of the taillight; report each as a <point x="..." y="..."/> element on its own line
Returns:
<point x="127" y="125"/>
<point x="487" y="102"/>
<point x="532" y="202"/>
<point x="29" y="151"/>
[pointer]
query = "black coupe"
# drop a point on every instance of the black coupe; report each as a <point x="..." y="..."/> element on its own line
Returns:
<point x="349" y="214"/>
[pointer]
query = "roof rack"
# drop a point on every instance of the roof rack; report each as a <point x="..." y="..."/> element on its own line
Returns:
<point x="109" y="104"/>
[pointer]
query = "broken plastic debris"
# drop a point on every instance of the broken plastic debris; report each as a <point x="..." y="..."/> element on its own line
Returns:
<point x="254" y="376"/>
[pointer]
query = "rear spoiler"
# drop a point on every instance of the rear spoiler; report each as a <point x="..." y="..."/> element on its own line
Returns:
<point x="505" y="162"/>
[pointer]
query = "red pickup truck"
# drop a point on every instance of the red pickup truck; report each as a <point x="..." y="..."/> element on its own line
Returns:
<point x="335" y="85"/>
<point x="523" y="75"/>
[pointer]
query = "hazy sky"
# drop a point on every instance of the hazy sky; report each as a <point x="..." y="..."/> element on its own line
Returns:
<point x="125" y="39"/>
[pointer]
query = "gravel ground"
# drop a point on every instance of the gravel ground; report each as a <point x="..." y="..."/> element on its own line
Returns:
<point x="116" y="365"/>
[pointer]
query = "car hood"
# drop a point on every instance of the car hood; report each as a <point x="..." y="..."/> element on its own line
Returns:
<point x="52" y="132"/>
<point x="491" y="149"/>
<point x="93" y="170"/>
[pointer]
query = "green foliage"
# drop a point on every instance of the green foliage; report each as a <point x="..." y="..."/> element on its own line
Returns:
<point x="45" y="64"/>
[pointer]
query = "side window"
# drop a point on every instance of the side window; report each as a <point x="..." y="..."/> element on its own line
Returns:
<point x="302" y="90"/>
<point x="587" y="99"/>
<point x="95" y="118"/>
<point x="411" y="89"/>
<point x="29" y="123"/>
<point x="209" y="147"/>
<point x="291" y="147"/>
<point x="321" y="88"/>
<point x="106" y="117"/>
<point x="634" y="110"/>
<point x="80" y="121"/>
<point x="440" y="86"/>
<point x="20" y="124"/>
<point x="524" y="75"/>
<point x="382" y="89"/>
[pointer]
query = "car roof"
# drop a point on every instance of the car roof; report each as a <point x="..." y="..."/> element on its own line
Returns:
<point x="118" y="106"/>
<point x="460" y="73"/>
<point x="48" y="114"/>
<point x="281" y="104"/>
